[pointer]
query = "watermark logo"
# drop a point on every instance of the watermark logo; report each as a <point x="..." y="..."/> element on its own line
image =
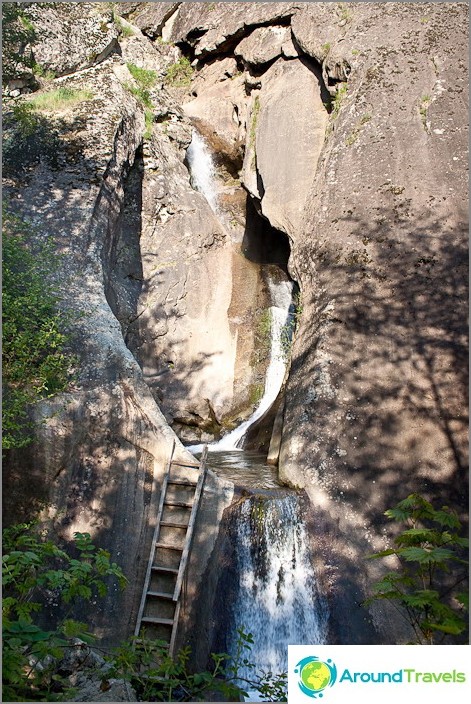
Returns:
<point x="372" y="673"/>
<point x="315" y="675"/>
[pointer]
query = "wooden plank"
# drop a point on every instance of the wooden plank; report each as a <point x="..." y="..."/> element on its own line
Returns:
<point x="191" y="523"/>
<point x="183" y="482"/>
<point x="173" y="524"/>
<point x="160" y="595"/>
<point x="181" y="464"/>
<point x="162" y="568"/>
<point x="166" y="546"/>
<point x="182" y="504"/>
<point x="173" y="636"/>
<point x="160" y="621"/>
<point x="154" y="541"/>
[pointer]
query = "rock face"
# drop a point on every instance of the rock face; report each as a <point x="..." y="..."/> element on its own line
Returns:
<point x="285" y="138"/>
<point x="337" y="127"/>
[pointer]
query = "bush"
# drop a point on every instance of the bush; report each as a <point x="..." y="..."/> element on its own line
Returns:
<point x="31" y="566"/>
<point x="35" y="365"/>
<point x="433" y="565"/>
<point x="144" y="77"/>
<point x="179" y="74"/>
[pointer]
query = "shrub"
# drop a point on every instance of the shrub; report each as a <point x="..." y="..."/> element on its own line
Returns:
<point x="179" y="74"/>
<point x="433" y="565"/>
<point x="31" y="565"/>
<point x="144" y="77"/>
<point x="35" y="365"/>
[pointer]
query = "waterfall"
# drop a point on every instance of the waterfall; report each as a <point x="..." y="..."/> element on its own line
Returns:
<point x="278" y="602"/>
<point x="281" y="293"/>
<point x="201" y="166"/>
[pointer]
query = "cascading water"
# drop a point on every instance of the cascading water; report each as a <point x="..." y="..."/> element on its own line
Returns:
<point x="202" y="172"/>
<point x="281" y="293"/>
<point x="281" y="298"/>
<point x="278" y="601"/>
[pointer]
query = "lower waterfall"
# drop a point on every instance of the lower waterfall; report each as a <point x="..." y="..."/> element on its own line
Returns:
<point x="278" y="601"/>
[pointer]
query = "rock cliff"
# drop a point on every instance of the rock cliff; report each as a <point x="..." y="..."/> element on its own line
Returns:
<point x="339" y="128"/>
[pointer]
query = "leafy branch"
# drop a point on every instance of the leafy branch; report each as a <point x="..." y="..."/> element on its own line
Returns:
<point x="428" y="587"/>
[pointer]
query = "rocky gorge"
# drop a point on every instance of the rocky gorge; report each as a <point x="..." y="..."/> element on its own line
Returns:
<point x="338" y="138"/>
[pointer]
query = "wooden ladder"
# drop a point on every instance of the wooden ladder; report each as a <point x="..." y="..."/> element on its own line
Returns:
<point x="179" y="500"/>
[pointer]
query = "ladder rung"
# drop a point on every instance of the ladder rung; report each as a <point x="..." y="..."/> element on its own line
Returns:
<point x="181" y="464"/>
<point x="160" y="595"/>
<point x="182" y="482"/>
<point x="154" y="619"/>
<point x="161" y="568"/>
<point x="182" y="504"/>
<point x="142" y="640"/>
<point x="166" y="546"/>
<point x="171" y="524"/>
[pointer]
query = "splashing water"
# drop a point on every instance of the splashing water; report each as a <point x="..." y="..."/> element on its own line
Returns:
<point x="278" y="601"/>
<point x="202" y="172"/>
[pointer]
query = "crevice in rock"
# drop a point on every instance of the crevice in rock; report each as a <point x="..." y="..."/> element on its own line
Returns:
<point x="270" y="248"/>
<point x="121" y="254"/>
<point x="316" y="68"/>
<point x="262" y="243"/>
<point x="225" y="48"/>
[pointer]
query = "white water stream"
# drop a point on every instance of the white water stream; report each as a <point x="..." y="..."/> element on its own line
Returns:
<point x="203" y="178"/>
<point x="278" y="601"/>
<point x="202" y="172"/>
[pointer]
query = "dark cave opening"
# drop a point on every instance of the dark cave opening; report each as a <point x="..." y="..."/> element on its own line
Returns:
<point x="262" y="243"/>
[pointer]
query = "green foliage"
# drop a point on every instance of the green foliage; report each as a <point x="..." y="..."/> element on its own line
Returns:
<point x="144" y="77"/>
<point x="424" y="105"/>
<point x="145" y="80"/>
<point x="149" y="121"/>
<point x="35" y="365"/>
<point x="156" y="676"/>
<point x="124" y="28"/>
<point x="263" y="335"/>
<point x="179" y="74"/>
<point x="17" y="34"/>
<point x="433" y="564"/>
<point x="59" y="98"/>
<point x="40" y="71"/>
<point x="256" y="393"/>
<point x="338" y="99"/>
<point x="31" y="567"/>
<point x="289" y="328"/>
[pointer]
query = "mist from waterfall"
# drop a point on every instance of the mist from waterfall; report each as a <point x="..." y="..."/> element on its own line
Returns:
<point x="202" y="171"/>
<point x="278" y="601"/>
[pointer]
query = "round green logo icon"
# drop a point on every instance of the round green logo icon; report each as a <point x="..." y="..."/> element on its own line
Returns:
<point x="315" y="675"/>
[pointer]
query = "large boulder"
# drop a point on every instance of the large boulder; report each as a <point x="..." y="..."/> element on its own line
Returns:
<point x="72" y="36"/>
<point x="285" y="134"/>
<point x="265" y="44"/>
<point x="209" y="28"/>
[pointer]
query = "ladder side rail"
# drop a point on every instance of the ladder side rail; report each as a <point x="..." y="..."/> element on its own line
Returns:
<point x="173" y="637"/>
<point x="154" y="542"/>
<point x="191" y="523"/>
